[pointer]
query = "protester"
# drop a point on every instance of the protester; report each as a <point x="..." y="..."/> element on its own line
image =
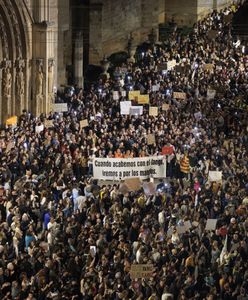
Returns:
<point x="65" y="235"/>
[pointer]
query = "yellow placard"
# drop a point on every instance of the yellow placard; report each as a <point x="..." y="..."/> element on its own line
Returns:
<point x="133" y="94"/>
<point x="143" y="99"/>
<point x="12" y="121"/>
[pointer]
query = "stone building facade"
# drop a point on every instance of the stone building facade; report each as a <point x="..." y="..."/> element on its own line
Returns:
<point x="47" y="44"/>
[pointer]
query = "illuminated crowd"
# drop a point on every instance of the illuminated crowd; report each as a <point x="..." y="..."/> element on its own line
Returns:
<point x="65" y="235"/>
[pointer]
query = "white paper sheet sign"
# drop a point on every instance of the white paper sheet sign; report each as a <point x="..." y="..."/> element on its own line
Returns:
<point x="60" y="107"/>
<point x="155" y="88"/>
<point x="136" y="110"/>
<point x="125" y="107"/>
<point x="211" y="94"/>
<point x="40" y="128"/>
<point x="115" y="95"/>
<point x="211" y="224"/>
<point x="215" y="176"/>
<point x="123" y="93"/>
<point x="198" y="115"/>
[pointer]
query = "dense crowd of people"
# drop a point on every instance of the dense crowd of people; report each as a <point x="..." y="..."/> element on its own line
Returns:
<point x="65" y="235"/>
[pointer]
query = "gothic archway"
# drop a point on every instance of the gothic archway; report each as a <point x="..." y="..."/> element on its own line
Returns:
<point x="15" y="53"/>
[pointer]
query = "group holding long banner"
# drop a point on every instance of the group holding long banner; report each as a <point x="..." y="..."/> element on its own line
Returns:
<point x="122" y="168"/>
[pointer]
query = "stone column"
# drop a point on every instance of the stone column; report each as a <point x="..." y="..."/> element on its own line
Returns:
<point x="78" y="60"/>
<point x="50" y="88"/>
<point x="19" y="86"/>
<point x="39" y="87"/>
<point x="6" y="89"/>
<point x="95" y="51"/>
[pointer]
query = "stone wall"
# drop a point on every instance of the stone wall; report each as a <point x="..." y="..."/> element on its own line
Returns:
<point x="111" y="23"/>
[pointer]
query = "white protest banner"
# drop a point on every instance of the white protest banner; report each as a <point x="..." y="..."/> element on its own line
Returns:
<point x="211" y="224"/>
<point x="122" y="168"/>
<point x="40" y="128"/>
<point x="136" y="110"/>
<point x="60" y="107"/>
<point x="141" y="271"/>
<point x="115" y="95"/>
<point x="215" y="176"/>
<point x="125" y="107"/>
<point x="211" y="94"/>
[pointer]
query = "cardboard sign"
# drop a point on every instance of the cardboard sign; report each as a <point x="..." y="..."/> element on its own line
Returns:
<point x="115" y="95"/>
<point x="212" y="34"/>
<point x="84" y="123"/>
<point x="208" y="67"/>
<point x="167" y="150"/>
<point x="39" y="129"/>
<point x="60" y="107"/>
<point x="133" y="94"/>
<point x="215" y="176"/>
<point x="143" y="99"/>
<point x="125" y="107"/>
<point x="133" y="184"/>
<point x="48" y="123"/>
<point x="211" y="224"/>
<point x="136" y="110"/>
<point x="12" y="121"/>
<point x="151" y="139"/>
<point x="179" y="95"/>
<point x="153" y="111"/>
<point x="141" y="271"/>
<point x="123" y="189"/>
<point x="165" y="107"/>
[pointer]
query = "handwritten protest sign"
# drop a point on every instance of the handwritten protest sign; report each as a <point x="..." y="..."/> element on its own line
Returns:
<point x="60" y="107"/>
<point x="143" y="99"/>
<point x="133" y="184"/>
<point x="84" y="123"/>
<point x="211" y="94"/>
<point x="167" y="150"/>
<point x="125" y="107"/>
<point x="133" y="94"/>
<point x="179" y="95"/>
<point x="215" y="176"/>
<point x="211" y="224"/>
<point x="165" y="107"/>
<point x="151" y="139"/>
<point x="141" y="271"/>
<point x="115" y="95"/>
<point x="153" y="111"/>
<point x="155" y="88"/>
<point x="136" y="110"/>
